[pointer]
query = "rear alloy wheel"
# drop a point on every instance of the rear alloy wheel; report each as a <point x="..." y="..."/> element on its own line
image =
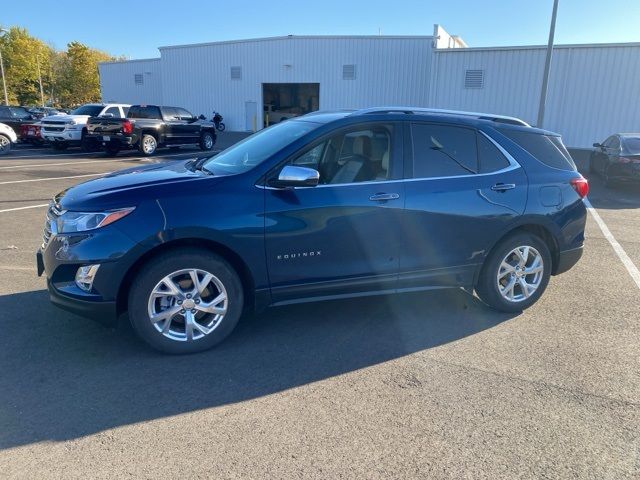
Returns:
<point x="5" y="144"/>
<point x="148" y="144"/>
<point x="186" y="301"/>
<point x="207" y="141"/>
<point x="515" y="273"/>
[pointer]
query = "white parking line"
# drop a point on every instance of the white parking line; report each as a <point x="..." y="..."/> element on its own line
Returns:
<point x="60" y="164"/>
<point x="54" y="178"/>
<point x="622" y="255"/>
<point x="23" y="208"/>
<point x="104" y="160"/>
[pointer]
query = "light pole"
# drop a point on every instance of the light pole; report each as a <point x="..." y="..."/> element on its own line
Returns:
<point x="3" y="32"/>
<point x="547" y="66"/>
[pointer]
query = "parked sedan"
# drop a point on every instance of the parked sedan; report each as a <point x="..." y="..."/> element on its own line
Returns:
<point x="617" y="158"/>
<point x="15" y="117"/>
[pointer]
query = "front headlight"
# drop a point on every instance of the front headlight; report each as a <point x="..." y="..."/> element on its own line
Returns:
<point x="70" y="222"/>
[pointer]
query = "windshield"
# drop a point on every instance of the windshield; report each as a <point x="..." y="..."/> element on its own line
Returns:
<point x="631" y="145"/>
<point x="257" y="148"/>
<point x="91" y="110"/>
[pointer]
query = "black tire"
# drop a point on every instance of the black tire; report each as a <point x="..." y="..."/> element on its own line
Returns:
<point x="165" y="264"/>
<point x="487" y="286"/>
<point x="6" y="143"/>
<point x="112" y="150"/>
<point x="221" y="126"/>
<point x="87" y="144"/>
<point x="207" y="140"/>
<point x="148" y="144"/>
<point x="59" y="145"/>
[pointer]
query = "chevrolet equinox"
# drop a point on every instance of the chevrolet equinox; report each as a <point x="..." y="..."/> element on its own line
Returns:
<point x="328" y="205"/>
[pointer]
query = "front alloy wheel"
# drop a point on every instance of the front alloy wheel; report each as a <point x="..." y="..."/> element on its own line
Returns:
<point x="187" y="304"/>
<point x="185" y="300"/>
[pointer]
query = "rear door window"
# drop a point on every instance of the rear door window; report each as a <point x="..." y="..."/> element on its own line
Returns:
<point x="490" y="159"/>
<point x="115" y="111"/>
<point x="170" y="114"/>
<point x="140" y="111"/>
<point x="443" y="151"/>
<point x="548" y="149"/>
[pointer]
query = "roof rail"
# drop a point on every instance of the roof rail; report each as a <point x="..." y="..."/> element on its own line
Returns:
<point x="416" y="111"/>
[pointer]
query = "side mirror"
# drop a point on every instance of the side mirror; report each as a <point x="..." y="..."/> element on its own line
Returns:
<point x="292" y="176"/>
<point x="107" y="115"/>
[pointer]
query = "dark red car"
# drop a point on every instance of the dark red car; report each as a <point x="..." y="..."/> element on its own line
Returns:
<point x="31" y="133"/>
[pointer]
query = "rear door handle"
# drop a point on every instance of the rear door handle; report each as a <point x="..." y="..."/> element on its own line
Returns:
<point x="501" y="187"/>
<point x="381" y="197"/>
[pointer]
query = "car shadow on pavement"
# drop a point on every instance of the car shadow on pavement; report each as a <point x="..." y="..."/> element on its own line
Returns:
<point x="622" y="196"/>
<point x="64" y="377"/>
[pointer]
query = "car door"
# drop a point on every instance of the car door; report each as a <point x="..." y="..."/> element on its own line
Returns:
<point x="172" y="124"/>
<point x="462" y="189"/>
<point x="600" y="155"/>
<point x="611" y="153"/>
<point x="342" y="236"/>
<point x="189" y="127"/>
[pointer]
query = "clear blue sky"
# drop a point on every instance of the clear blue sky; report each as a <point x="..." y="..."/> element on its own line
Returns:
<point x="135" y="30"/>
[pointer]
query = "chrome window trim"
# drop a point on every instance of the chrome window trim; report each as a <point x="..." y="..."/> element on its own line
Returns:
<point x="513" y="165"/>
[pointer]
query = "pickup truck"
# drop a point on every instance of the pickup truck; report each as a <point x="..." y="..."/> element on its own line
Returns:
<point x="65" y="130"/>
<point x="148" y="127"/>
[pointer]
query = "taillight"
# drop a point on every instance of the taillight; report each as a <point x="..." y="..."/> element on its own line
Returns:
<point x="127" y="127"/>
<point x="581" y="186"/>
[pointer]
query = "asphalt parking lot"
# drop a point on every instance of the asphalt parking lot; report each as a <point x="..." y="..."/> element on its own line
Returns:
<point x="430" y="385"/>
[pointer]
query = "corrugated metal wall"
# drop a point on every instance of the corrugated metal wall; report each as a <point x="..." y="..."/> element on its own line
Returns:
<point x="389" y="71"/>
<point x="117" y="81"/>
<point x="593" y="89"/>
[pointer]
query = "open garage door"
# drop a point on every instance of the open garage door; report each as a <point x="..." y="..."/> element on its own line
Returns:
<point x="286" y="100"/>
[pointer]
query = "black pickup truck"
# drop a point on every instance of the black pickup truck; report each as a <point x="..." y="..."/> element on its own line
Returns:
<point x="148" y="127"/>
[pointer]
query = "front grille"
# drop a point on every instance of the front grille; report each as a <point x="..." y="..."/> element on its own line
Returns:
<point x="50" y="228"/>
<point x="52" y="128"/>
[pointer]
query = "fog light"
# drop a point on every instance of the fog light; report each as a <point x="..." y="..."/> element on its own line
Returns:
<point x="85" y="276"/>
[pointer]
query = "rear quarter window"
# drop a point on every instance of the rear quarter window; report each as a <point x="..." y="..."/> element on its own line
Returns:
<point x="548" y="149"/>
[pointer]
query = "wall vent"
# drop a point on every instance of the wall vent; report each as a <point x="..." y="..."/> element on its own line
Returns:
<point x="236" y="73"/>
<point x="348" y="72"/>
<point x="138" y="78"/>
<point x="474" y="78"/>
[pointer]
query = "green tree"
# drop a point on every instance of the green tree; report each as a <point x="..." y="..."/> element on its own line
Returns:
<point x="26" y="61"/>
<point x="79" y="79"/>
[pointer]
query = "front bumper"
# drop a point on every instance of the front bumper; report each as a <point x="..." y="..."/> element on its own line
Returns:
<point x="102" y="311"/>
<point x="63" y="136"/>
<point x="64" y="254"/>
<point x="567" y="259"/>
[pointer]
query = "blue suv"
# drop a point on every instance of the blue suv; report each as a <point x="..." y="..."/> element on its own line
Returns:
<point x="328" y="205"/>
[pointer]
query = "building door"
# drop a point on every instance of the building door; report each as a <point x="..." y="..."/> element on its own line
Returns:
<point x="251" y="116"/>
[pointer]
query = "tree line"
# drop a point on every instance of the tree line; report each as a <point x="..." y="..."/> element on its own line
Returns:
<point x="37" y="73"/>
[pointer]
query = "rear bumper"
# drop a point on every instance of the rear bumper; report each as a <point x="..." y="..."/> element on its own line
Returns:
<point x="567" y="259"/>
<point x="113" y="139"/>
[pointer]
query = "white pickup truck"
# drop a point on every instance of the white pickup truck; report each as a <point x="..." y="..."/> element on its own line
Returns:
<point x="62" y="131"/>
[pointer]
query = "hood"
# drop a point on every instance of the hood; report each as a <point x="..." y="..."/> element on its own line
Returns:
<point x="129" y="187"/>
<point x="65" y="118"/>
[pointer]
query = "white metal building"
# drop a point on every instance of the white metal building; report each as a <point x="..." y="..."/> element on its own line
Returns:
<point x="593" y="89"/>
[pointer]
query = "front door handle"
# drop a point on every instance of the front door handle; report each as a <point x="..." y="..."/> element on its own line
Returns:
<point x="381" y="197"/>
<point x="502" y="187"/>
